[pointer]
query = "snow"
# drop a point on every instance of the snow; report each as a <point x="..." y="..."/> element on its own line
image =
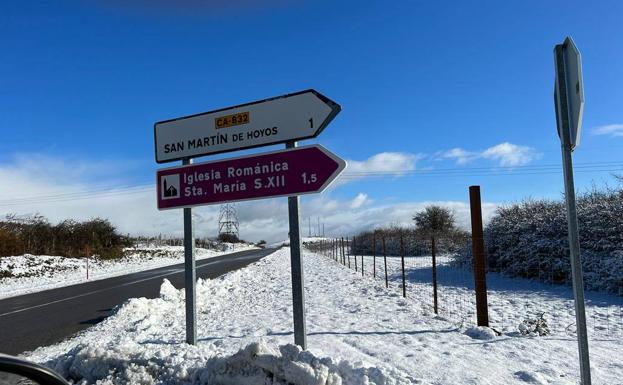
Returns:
<point x="359" y="332"/>
<point x="510" y="300"/>
<point x="480" y="333"/>
<point x="32" y="273"/>
<point x="304" y="240"/>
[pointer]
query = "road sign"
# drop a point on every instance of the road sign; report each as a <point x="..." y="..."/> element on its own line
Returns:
<point x="303" y="170"/>
<point x="291" y="117"/>
<point x="573" y="89"/>
<point x="569" y="104"/>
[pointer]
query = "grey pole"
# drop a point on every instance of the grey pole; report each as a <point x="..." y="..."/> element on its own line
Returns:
<point x="298" y="294"/>
<point x="190" y="274"/>
<point x="572" y="221"/>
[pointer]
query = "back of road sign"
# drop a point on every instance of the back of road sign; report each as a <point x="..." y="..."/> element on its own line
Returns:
<point x="574" y="88"/>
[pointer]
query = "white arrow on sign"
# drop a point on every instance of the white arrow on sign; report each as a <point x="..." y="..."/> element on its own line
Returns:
<point x="296" y="116"/>
<point x="574" y="90"/>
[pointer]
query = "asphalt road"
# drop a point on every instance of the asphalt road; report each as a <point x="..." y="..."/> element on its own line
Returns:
<point x="43" y="318"/>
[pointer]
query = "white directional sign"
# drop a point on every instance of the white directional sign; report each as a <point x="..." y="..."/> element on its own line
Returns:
<point x="574" y="90"/>
<point x="281" y="119"/>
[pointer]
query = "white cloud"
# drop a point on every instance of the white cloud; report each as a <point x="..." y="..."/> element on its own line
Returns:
<point x="359" y="201"/>
<point x="460" y="155"/>
<point x="505" y="154"/>
<point x="508" y="154"/>
<point x="609" y="129"/>
<point x="384" y="162"/>
<point x="135" y="211"/>
<point x="388" y="163"/>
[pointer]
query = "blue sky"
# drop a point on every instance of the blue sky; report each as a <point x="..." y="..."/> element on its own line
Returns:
<point x="423" y="85"/>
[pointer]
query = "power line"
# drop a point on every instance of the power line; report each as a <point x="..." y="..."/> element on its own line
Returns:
<point x="556" y="167"/>
<point x="83" y="192"/>
<point x="87" y="194"/>
<point x="518" y="173"/>
<point x="546" y="169"/>
<point x="490" y="171"/>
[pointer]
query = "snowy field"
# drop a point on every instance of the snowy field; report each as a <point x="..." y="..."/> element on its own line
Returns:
<point x="510" y="300"/>
<point x="359" y="332"/>
<point x="31" y="273"/>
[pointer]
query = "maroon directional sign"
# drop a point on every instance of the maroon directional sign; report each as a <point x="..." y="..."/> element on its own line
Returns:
<point x="297" y="171"/>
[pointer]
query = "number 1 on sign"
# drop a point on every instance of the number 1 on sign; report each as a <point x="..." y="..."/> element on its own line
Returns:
<point x="312" y="178"/>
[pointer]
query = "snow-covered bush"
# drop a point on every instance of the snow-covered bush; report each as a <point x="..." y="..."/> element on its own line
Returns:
<point x="534" y="326"/>
<point x="529" y="239"/>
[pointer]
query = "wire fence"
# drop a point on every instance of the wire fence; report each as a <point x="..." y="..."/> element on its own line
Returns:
<point x="436" y="274"/>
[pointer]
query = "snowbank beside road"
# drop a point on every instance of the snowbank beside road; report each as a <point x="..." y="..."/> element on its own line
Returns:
<point x="32" y="273"/>
<point x="358" y="333"/>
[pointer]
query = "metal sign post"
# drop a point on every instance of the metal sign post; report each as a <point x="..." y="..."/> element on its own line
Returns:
<point x="569" y="101"/>
<point x="298" y="285"/>
<point x="291" y="172"/>
<point x="190" y="274"/>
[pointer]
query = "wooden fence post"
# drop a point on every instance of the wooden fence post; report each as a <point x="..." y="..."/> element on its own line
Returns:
<point x="338" y="258"/>
<point x="402" y="260"/>
<point x="434" y="252"/>
<point x="339" y="250"/>
<point x="478" y="252"/>
<point x="348" y="251"/>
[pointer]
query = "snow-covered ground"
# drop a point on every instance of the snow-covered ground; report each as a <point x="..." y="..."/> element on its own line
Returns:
<point x="359" y="332"/>
<point x="31" y="273"/>
<point x="510" y="300"/>
<point x="304" y="240"/>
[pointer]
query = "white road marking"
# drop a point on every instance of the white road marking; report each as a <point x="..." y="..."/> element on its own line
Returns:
<point x="123" y="284"/>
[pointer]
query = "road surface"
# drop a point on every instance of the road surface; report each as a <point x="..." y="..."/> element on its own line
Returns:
<point x="43" y="318"/>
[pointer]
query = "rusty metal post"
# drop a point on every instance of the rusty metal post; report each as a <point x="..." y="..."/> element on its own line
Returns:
<point x="434" y="252"/>
<point x="385" y="260"/>
<point x="478" y="252"/>
<point x="402" y="261"/>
